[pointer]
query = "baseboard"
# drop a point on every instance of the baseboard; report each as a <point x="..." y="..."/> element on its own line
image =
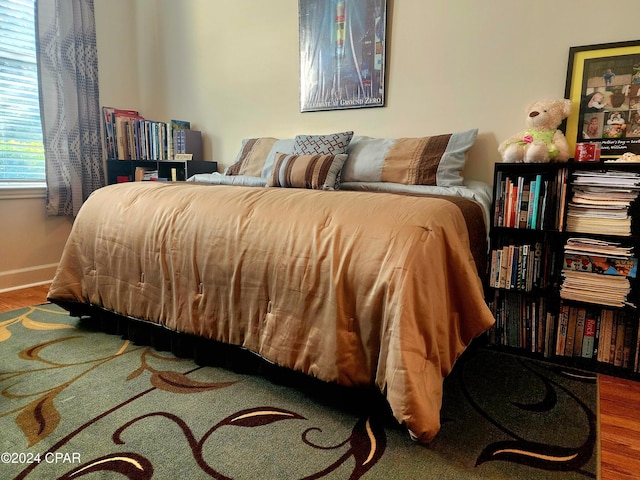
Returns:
<point x="26" y="277"/>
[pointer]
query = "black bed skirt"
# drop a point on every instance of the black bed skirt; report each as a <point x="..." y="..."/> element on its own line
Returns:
<point x="202" y="350"/>
<point x="207" y="352"/>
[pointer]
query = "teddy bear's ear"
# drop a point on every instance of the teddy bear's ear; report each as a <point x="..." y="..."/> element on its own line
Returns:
<point x="566" y="107"/>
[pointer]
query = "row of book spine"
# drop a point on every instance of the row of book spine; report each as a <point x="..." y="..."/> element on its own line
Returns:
<point x="522" y="266"/>
<point x="530" y="201"/>
<point x="129" y="136"/>
<point x="609" y="336"/>
<point x="522" y="321"/>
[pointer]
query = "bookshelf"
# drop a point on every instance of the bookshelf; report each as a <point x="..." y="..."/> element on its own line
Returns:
<point x="552" y="227"/>
<point x="125" y="170"/>
<point x="141" y="149"/>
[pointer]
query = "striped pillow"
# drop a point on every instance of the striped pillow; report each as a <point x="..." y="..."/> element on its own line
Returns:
<point x="436" y="160"/>
<point x="252" y="156"/>
<point x="318" y="172"/>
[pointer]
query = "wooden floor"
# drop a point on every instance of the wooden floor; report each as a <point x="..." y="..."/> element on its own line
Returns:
<point x="23" y="298"/>
<point x="619" y="406"/>
<point x="619" y="428"/>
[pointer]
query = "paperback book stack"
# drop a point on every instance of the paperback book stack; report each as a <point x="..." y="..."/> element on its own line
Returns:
<point x="145" y="174"/>
<point x="601" y="201"/>
<point x="597" y="271"/>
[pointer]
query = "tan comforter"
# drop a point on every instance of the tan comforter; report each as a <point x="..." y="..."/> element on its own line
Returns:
<point x="351" y="287"/>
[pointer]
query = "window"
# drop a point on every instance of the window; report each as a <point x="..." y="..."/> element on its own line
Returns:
<point x="21" y="146"/>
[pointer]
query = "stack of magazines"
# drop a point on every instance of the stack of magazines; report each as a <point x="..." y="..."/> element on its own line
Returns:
<point x="597" y="271"/>
<point x="601" y="201"/>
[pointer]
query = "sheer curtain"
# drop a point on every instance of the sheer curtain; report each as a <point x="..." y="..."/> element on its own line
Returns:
<point x="69" y="102"/>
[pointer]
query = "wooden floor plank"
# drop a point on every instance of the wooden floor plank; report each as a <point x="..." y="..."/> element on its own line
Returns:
<point x="23" y="297"/>
<point x="619" y="428"/>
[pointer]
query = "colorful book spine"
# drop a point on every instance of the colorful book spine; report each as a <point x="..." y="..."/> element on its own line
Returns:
<point x="563" y="322"/>
<point x="579" y="335"/>
<point x="588" y="340"/>
<point x="536" y="201"/>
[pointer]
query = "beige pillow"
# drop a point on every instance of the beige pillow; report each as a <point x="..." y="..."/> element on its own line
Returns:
<point x="252" y="157"/>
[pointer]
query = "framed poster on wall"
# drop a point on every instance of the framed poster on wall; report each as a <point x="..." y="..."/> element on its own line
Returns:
<point x="603" y="84"/>
<point x="342" y="54"/>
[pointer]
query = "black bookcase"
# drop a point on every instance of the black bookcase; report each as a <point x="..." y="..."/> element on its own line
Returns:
<point x="125" y="170"/>
<point x="528" y="268"/>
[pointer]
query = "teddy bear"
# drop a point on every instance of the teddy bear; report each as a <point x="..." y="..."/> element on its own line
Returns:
<point x="541" y="142"/>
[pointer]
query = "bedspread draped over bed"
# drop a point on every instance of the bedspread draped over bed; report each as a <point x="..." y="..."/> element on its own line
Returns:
<point x="351" y="287"/>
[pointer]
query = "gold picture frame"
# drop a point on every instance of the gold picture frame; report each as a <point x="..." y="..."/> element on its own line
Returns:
<point x="603" y="84"/>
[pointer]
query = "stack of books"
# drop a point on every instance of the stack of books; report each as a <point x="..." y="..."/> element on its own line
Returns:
<point x="601" y="201"/>
<point x="129" y="136"/>
<point x="145" y="174"/>
<point x="597" y="271"/>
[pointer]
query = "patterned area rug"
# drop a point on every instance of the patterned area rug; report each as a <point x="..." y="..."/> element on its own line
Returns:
<point x="78" y="403"/>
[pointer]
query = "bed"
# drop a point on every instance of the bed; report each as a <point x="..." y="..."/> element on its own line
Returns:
<point x="375" y="284"/>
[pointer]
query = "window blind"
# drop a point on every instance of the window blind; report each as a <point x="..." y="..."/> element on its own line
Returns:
<point x="21" y="147"/>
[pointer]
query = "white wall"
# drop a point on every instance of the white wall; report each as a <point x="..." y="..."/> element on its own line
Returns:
<point x="231" y="68"/>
